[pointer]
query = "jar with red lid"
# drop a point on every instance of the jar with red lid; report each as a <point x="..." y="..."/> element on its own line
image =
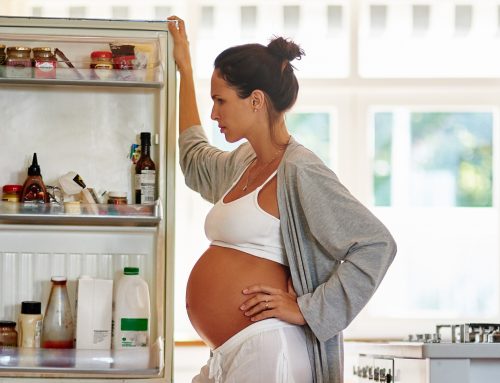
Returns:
<point x="44" y="63"/>
<point x="117" y="198"/>
<point x="101" y="64"/>
<point x="8" y="334"/>
<point x="12" y="193"/>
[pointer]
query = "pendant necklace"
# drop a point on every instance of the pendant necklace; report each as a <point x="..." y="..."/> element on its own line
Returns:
<point x="251" y="179"/>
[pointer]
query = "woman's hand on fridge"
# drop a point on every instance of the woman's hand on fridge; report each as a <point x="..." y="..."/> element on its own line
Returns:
<point x="269" y="302"/>
<point x="182" y="54"/>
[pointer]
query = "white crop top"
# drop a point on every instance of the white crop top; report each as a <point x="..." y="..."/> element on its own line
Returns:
<point x="243" y="225"/>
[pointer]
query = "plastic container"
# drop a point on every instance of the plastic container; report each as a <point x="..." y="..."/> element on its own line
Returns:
<point x="132" y="313"/>
<point x="30" y="324"/>
<point x="58" y="325"/>
<point x="8" y="334"/>
<point x="117" y="198"/>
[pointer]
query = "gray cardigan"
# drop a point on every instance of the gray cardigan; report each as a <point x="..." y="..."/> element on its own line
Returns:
<point x="337" y="250"/>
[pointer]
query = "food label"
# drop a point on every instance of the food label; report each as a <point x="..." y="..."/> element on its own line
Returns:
<point x="145" y="183"/>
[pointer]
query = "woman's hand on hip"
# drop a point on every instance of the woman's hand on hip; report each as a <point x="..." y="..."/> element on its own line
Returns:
<point x="182" y="54"/>
<point x="268" y="302"/>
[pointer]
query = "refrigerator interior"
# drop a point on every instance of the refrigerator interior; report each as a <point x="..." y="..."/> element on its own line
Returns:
<point x="77" y="121"/>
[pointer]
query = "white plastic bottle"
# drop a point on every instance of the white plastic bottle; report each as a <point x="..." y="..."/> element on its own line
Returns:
<point x="132" y="313"/>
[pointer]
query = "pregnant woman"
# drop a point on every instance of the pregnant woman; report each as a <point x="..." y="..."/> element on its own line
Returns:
<point x="293" y="256"/>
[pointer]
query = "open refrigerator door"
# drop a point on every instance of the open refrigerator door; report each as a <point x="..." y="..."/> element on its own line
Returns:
<point x="83" y="113"/>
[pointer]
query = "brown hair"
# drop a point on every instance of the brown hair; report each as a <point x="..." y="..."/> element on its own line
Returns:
<point x="250" y="67"/>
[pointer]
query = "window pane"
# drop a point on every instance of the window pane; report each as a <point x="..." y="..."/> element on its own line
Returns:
<point x="248" y="19"/>
<point x="451" y="159"/>
<point x="313" y="131"/>
<point x="291" y="17"/>
<point x="433" y="183"/>
<point x="382" y="160"/>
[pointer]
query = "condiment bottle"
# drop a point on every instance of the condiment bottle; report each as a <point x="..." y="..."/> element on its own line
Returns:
<point x="101" y="60"/>
<point x="30" y="324"/>
<point x="58" y="326"/>
<point x="145" y="173"/>
<point x="34" y="189"/>
<point x="132" y="312"/>
<point x="12" y="193"/>
<point x="8" y="334"/>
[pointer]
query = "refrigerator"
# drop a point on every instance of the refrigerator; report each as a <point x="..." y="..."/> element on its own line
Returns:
<point x="87" y="120"/>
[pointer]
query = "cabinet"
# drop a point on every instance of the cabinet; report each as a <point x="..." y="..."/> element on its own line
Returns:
<point x="86" y="121"/>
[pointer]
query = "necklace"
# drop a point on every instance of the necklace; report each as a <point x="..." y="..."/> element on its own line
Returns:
<point x="264" y="167"/>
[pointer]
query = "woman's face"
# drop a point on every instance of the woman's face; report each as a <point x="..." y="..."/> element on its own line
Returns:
<point x="233" y="114"/>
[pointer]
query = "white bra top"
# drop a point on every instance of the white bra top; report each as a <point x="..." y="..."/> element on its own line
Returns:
<point x="243" y="225"/>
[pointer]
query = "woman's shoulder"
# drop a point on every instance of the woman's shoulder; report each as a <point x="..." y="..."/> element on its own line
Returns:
<point x="299" y="158"/>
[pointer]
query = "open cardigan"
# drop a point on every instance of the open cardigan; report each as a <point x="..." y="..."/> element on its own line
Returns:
<point x="337" y="250"/>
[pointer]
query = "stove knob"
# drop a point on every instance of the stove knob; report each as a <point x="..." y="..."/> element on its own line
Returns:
<point x="388" y="377"/>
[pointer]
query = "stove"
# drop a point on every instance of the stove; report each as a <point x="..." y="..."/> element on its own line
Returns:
<point x="454" y="353"/>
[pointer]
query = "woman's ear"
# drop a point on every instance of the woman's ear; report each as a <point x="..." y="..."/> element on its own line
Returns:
<point x="257" y="99"/>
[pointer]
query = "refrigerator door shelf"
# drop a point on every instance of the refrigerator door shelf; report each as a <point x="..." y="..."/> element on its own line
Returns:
<point x="84" y="214"/>
<point x="137" y="362"/>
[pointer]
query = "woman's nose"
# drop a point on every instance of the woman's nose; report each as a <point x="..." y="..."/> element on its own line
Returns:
<point x="213" y="115"/>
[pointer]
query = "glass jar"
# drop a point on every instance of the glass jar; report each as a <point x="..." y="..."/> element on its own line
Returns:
<point x="12" y="193"/>
<point x="8" y="334"/>
<point x="18" y="62"/>
<point x="117" y="198"/>
<point x="101" y="60"/>
<point x="3" y="56"/>
<point x="44" y="63"/>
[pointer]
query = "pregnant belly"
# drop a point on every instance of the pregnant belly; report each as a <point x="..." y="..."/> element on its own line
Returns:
<point x="214" y="290"/>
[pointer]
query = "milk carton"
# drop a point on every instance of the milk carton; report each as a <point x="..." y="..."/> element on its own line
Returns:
<point x="132" y="312"/>
<point x="94" y="313"/>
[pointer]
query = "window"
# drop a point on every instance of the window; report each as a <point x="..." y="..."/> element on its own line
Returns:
<point x="291" y="18"/>
<point x="433" y="183"/>
<point x="119" y="12"/>
<point x="334" y="19"/>
<point x="77" y="12"/>
<point x="421" y="16"/>
<point x="463" y="18"/>
<point x="378" y="18"/>
<point x="207" y="18"/>
<point x="248" y="20"/>
<point x="162" y="12"/>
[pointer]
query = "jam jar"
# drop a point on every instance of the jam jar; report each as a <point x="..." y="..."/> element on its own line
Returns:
<point x="3" y="56"/>
<point x="8" y="334"/>
<point x="101" y="64"/>
<point x="18" y="62"/>
<point x="117" y="198"/>
<point x="12" y="193"/>
<point x="44" y="63"/>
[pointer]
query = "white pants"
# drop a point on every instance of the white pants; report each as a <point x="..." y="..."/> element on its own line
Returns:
<point x="269" y="351"/>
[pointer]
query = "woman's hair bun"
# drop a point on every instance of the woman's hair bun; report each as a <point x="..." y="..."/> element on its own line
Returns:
<point x="285" y="49"/>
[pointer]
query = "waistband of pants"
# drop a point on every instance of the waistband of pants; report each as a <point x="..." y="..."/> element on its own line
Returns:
<point x="248" y="332"/>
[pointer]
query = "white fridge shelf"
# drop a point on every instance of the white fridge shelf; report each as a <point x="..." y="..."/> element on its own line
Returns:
<point x="134" y="362"/>
<point x="87" y="214"/>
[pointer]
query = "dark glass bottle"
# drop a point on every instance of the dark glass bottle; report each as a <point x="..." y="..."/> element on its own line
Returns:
<point x="33" y="188"/>
<point x="145" y="173"/>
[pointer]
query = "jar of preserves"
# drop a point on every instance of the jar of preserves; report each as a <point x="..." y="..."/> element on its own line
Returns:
<point x="44" y="63"/>
<point x="8" y="334"/>
<point x="101" y="64"/>
<point x="12" y="193"/>
<point x="18" y="62"/>
<point x="117" y="198"/>
<point x="3" y="56"/>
